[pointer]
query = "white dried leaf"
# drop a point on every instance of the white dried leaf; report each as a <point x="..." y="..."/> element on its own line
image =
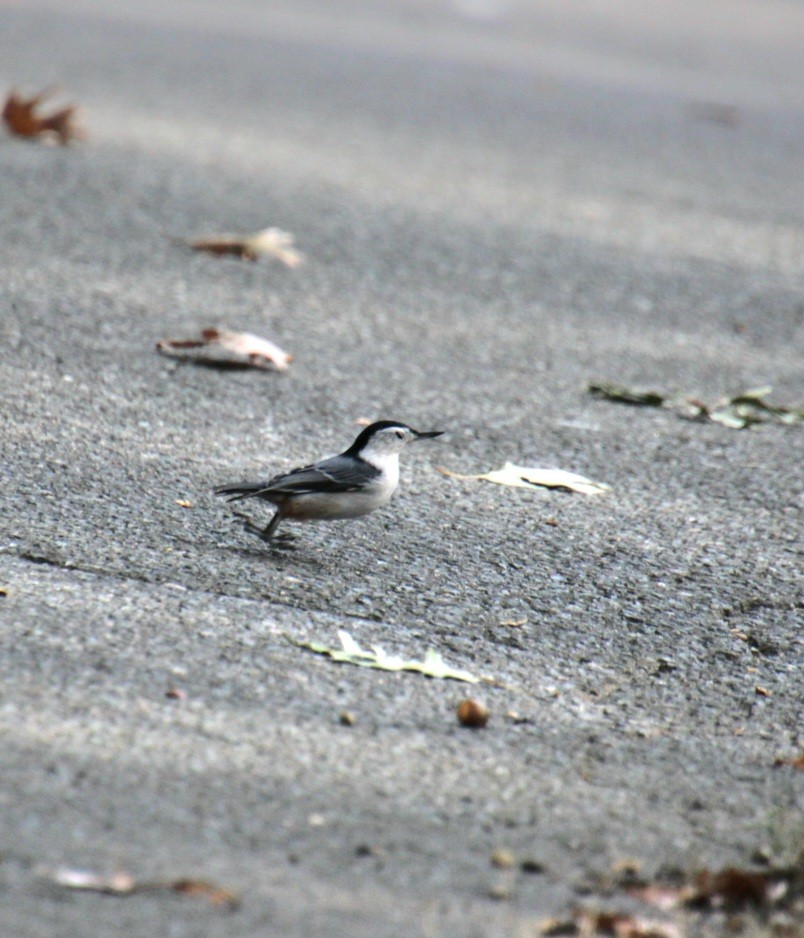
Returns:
<point x="528" y="477"/>
<point x="350" y="652"/>
<point x="118" y="883"/>
<point x="268" y="242"/>
<point x="275" y="243"/>
<point x="220" y="347"/>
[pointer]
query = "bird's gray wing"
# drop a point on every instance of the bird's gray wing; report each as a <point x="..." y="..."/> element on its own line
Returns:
<point x="337" y="474"/>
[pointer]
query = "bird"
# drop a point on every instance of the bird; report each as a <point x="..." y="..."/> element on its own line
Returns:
<point x="358" y="481"/>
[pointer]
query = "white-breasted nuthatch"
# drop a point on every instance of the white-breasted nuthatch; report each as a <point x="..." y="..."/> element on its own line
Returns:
<point x="362" y="478"/>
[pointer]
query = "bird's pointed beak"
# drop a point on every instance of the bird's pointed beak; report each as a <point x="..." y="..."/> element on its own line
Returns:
<point x="427" y="434"/>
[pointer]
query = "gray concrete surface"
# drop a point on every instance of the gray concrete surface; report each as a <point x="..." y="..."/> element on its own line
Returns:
<point x="499" y="203"/>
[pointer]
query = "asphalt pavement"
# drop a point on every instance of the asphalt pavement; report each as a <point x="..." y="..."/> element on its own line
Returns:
<point x="498" y="203"/>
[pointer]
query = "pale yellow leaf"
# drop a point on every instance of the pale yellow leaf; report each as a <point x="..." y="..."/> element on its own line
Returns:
<point x="528" y="477"/>
<point x="350" y="652"/>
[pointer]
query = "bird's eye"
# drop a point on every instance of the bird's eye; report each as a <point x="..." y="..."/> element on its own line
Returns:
<point x="400" y="435"/>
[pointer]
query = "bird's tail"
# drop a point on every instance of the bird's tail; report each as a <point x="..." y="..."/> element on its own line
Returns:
<point x="241" y="490"/>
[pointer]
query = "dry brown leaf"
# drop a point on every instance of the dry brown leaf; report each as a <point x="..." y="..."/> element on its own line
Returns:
<point x="124" y="884"/>
<point x="220" y="348"/>
<point x="796" y="762"/>
<point x="268" y="242"/>
<point x="735" y="888"/>
<point x="529" y="477"/>
<point x="589" y="923"/>
<point x="209" y="891"/>
<point x="731" y="888"/>
<point x="21" y="118"/>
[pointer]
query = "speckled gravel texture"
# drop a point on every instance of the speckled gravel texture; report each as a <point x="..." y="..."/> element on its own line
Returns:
<point x="498" y="202"/>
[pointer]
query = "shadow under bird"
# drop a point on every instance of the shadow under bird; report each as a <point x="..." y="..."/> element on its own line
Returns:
<point x="362" y="478"/>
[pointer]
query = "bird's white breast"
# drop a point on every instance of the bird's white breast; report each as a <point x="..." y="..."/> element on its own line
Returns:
<point x="388" y="464"/>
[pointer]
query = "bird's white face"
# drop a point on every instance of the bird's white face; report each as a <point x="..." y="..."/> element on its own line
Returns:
<point x="388" y="441"/>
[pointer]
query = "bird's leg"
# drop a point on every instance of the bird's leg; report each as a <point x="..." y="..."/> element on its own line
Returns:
<point x="268" y="533"/>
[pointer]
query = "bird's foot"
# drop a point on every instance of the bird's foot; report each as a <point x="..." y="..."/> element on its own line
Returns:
<point x="248" y="525"/>
<point x="283" y="541"/>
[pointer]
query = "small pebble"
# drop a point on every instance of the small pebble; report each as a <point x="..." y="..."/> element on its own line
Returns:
<point x="472" y="713"/>
<point x="502" y="859"/>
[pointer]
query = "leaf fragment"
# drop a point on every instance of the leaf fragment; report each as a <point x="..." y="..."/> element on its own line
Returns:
<point x="124" y="884"/>
<point x="731" y="888"/>
<point x="200" y="888"/>
<point x="736" y="412"/>
<point x="795" y="762"/>
<point x="268" y="242"/>
<point x="528" y="477"/>
<point x="624" y="395"/>
<point x="222" y="348"/>
<point x="21" y="118"/>
<point x="119" y="884"/>
<point x="433" y="665"/>
<point x="592" y="922"/>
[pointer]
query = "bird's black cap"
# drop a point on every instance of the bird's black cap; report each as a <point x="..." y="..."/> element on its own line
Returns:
<point x="365" y="435"/>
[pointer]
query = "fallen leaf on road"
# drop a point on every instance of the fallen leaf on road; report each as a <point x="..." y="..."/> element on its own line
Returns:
<point x="209" y="891"/>
<point x="749" y="407"/>
<point x="184" y="503"/>
<point x="123" y="884"/>
<point x="350" y="652"/>
<point x="796" y="762"/>
<point x="220" y="348"/>
<point x="21" y="118"/>
<point x="589" y="923"/>
<point x="269" y="242"/>
<point x="526" y="477"/>
<point x="737" y="412"/>
<point x="731" y="888"/>
<point x="624" y="395"/>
